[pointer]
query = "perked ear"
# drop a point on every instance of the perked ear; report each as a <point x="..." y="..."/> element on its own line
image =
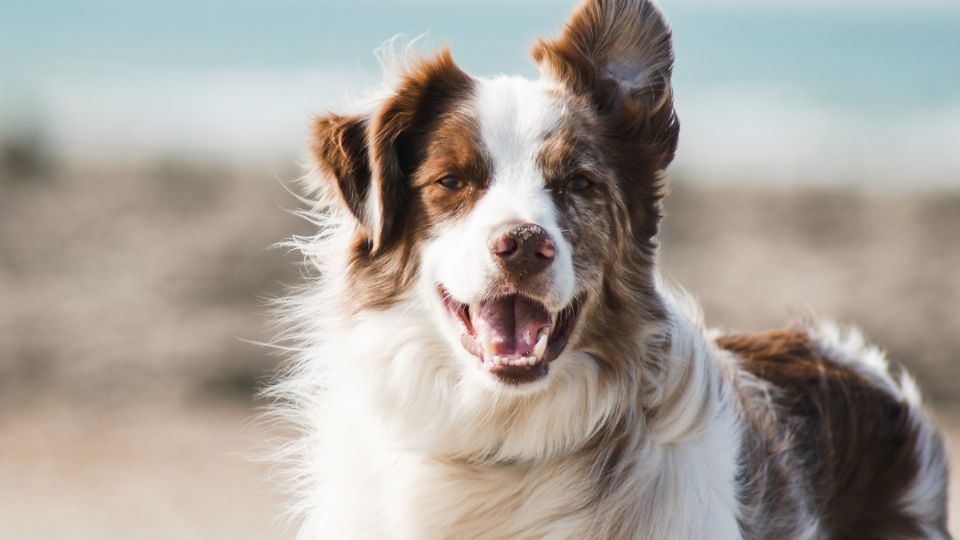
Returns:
<point x="618" y="53"/>
<point x="372" y="157"/>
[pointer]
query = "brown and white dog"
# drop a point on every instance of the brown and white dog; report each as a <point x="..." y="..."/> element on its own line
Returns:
<point x="487" y="351"/>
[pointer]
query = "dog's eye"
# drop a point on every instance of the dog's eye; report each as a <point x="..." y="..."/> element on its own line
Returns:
<point x="452" y="183"/>
<point x="578" y="183"/>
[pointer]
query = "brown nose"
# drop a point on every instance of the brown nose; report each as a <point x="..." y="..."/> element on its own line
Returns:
<point x="523" y="250"/>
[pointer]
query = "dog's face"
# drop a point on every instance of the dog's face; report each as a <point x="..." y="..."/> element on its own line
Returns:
<point x="521" y="213"/>
<point x="513" y="249"/>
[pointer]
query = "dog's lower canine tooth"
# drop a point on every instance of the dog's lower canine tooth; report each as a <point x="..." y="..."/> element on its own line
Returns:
<point x="541" y="347"/>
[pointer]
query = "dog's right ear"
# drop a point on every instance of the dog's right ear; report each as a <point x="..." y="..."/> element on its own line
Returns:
<point x="373" y="157"/>
<point x="340" y="149"/>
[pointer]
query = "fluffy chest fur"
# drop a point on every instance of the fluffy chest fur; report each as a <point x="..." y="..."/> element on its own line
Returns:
<point x="394" y="493"/>
<point x="377" y="477"/>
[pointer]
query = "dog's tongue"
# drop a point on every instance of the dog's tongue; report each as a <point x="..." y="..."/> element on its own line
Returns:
<point x="509" y="325"/>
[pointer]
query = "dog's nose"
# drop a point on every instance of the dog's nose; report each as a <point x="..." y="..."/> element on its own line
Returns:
<point x="523" y="250"/>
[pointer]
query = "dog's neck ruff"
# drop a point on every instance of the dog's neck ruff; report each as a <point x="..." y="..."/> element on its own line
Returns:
<point x="381" y="429"/>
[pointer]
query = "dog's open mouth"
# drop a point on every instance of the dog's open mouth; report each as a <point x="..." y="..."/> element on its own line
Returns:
<point x="515" y="337"/>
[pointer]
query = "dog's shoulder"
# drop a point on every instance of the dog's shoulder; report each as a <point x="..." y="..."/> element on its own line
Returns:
<point x="873" y="461"/>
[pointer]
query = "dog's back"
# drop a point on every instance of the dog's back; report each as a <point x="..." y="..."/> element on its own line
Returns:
<point x="833" y="437"/>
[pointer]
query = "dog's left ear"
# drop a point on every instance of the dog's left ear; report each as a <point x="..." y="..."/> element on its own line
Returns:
<point x="618" y="54"/>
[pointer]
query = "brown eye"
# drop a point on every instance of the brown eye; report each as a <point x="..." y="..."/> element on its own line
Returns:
<point x="452" y="183"/>
<point x="579" y="183"/>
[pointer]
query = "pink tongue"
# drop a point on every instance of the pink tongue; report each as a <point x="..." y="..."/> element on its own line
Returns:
<point x="510" y="324"/>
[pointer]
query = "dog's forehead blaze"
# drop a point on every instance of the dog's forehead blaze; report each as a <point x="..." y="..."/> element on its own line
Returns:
<point x="516" y="116"/>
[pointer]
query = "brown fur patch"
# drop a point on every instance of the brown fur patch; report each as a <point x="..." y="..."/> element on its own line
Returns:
<point x="851" y="445"/>
<point x="455" y="149"/>
<point x="400" y="134"/>
<point x="390" y="153"/>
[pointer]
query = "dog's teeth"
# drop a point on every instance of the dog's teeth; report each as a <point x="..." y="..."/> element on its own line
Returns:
<point x="541" y="346"/>
<point x="522" y="361"/>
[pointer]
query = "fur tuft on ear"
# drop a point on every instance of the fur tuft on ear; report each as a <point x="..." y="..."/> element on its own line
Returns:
<point x="372" y="157"/>
<point x="618" y="52"/>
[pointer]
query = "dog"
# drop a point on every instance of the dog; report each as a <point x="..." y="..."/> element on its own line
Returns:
<point x="486" y="350"/>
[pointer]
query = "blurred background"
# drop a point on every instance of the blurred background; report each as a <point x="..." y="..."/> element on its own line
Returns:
<point x="143" y="149"/>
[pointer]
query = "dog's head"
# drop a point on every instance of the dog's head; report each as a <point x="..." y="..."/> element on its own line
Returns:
<point x="521" y="213"/>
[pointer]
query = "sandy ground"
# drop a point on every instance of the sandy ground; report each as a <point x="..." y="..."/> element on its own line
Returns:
<point x="138" y="473"/>
<point x="129" y="299"/>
